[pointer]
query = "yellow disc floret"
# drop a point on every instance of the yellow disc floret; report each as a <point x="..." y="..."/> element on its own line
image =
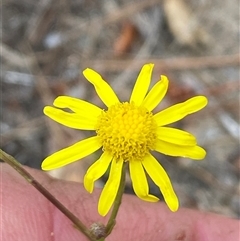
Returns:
<point x="127" y="131"/>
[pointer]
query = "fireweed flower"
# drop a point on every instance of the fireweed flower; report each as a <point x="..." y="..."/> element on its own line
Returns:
<point x="126" y="132"/>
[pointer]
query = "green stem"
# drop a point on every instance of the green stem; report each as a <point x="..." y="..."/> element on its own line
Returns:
<point x="112" y="220"/>
<point x="18" y="167"/>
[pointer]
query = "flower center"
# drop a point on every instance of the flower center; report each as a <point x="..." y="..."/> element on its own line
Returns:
<point x="127" y="131"/>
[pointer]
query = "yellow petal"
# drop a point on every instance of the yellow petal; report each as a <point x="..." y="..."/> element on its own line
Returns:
<point x="161" y="179"/>
<point x="110" y="189"/>
<point x="96" y="170"/>
<point x="80" y="121"/>
<point x="193" y="152"/>
<point x="78" y="106"/>
<point x="176" y="136"/>
<point x="139" y="181"/>
<point x="179" y="111"/>
<point x="142" y="84"/>
<point x="156" y="94"/>
<point x="103" y="89"/>
<point x="72" y="153"/>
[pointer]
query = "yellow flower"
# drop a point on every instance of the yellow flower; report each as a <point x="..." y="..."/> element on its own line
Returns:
<point x="126" y="132"/>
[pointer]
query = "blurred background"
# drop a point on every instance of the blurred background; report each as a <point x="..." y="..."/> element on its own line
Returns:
<point x="46" y="45"/>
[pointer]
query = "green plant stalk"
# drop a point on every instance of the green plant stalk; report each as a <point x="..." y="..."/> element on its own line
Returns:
<point x="117" y="202"/>
<point x="18" y="167"/>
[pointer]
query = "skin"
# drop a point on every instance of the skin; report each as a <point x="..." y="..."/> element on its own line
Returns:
<point x="26" y="215"/>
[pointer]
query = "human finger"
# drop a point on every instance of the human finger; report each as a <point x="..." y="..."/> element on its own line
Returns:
<point x="27" y="215"/>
